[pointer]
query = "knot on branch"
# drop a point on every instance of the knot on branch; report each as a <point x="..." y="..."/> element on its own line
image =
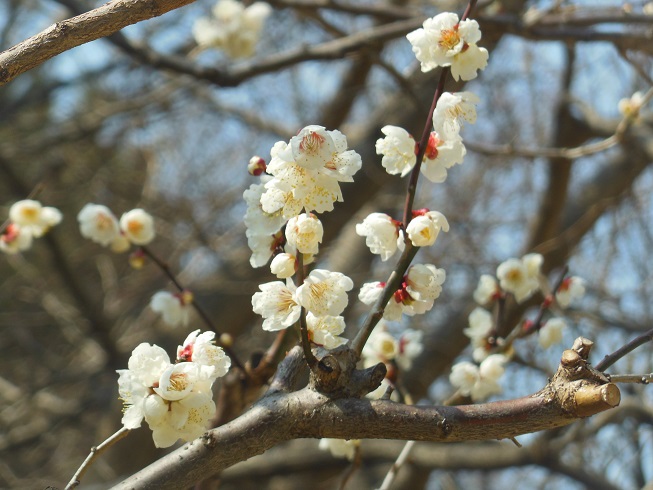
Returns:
<point x="578" y="388"/>
<point x="337" y="377"/>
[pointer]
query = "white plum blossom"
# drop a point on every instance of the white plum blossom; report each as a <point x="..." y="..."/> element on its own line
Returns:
<point x="410" y="346"/>
<point x="340" y="448"/>
<point x="174" y="399"/>
<point x="424" y="282"/>
<point x="307" y="172"/>
<point x="381" y="346"/>
<point x="572" y="288"/>
<point x="325" y="330"/>
<point x="382" y="235"/>
<point x="444" y="150"/>
<point x="630" y="106"/>
<point x="283" y="265"/>
<point x="398" y="150"/>
<point x="14" y="240"/>
<point x="425" y="227"/>
<point x="201" y="349"/>
<point x="551" y="332"/>
<point x="452" y="109"/>
<point x="34" y="218"/>
<point x="233" y="28"/>
<point x="304" y="232"/>
<point x="520" y="277"/>
<point x="421" y="286"/>
<point x="369" y="294"/>
<point x="98" y="224"/>
<point x="479" y="382"/>
<point x="277" y="304"/>
<point x="480" y="326"/>
<point x="138" y="226"/>
<point x="444" y="41"/>
<point x="173" y="308"/>
<point x="487" y="290"/>
<point x="324" y="292"/>
<point x="262" y="247"/>
<point x="259" y="222"/>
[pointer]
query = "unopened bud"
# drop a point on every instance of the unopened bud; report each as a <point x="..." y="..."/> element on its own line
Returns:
<point x="137" y="259"/>
<point x="186" y="297"/>
<point x="226" y="340"/>
<point x="256" y="166"/>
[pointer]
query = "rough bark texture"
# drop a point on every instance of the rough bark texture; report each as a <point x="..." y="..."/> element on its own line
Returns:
<point x="280" y="416"/>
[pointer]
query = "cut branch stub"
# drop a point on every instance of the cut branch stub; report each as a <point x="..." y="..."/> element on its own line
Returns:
<point x="336" y="374"/>
<point x="577" y="387"/>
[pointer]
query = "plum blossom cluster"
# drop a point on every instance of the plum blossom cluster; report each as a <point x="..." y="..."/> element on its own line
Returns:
<point x="174" y="308"/>
<point x="444" y="40"/>
<point x="385" y="235"/>
<point x="234" y="28"/>
<point x="303" y="175"/>
<point x="323" y="294"/>
<point x="28" y="219"/>
<point x="302" y="179"/>
<point x="175" y="399"/>
<point x="445" y="146"/>
<point x="384" y="347"/>
<point x="98" y="224"/>
<point x="479" y="381"/>
<point x="420" y="287"/>
<point x="521" y="278"/>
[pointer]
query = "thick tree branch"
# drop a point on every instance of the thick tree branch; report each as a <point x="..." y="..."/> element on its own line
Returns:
<point x="575" y="391"/>
<point x="87" y="27"/>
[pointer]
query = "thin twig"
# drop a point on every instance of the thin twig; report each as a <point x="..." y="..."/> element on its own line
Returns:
<point x="643" y="379"/>
<point x="165" y="268"/>
<point x="311" y="360"/>
<point x="610" y="359"/>
<point x="95" y="452"/>
<point x="394" y="469"/>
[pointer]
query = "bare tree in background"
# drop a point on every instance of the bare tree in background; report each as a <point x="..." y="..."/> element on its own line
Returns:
<point x="143" y="118"/>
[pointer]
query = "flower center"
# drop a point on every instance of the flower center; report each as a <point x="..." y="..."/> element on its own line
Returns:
<point x="449" y="38"/>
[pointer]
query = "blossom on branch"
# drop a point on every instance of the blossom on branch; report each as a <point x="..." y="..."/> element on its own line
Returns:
<point x="444" y="41"/>
<point x="425" y="227"/>
<point x="382" y="235"/>
<point x="174" y="399"/>
<point x="304" y="232"/>
<point x="452" y="109"/>
<point x="307" y="172"/>
<point x="98" y="224"/>
<point x="283" y="265"/>
<point x="398" y="150"/>
<point x="487" y="290"/>
<point x="325" y="330"/>
<point x="138" y="226"/>
<point x="443" y="151"/>
<point x="551" y="332"/>
<point x="233" y="28"/>
<point x="479" y="382"/>
<point x="173" y="308"/>
<point x="34" y="218"/>
<point x="324" y="292"/>
<point x="520" y="277"/>
<point x="572" y="288"/>
<point x="277" y="304"/>
<point x="14" y="240"/>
